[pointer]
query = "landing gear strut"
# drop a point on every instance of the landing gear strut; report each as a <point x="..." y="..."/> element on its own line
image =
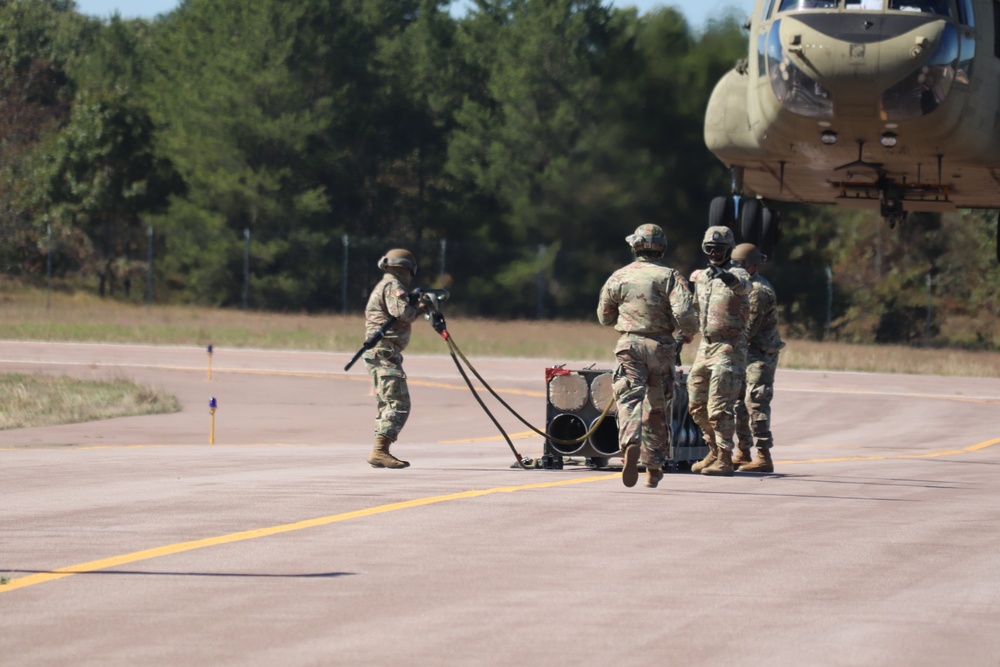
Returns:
<point x="752" y="221"/>
<point x="998" y="236"/>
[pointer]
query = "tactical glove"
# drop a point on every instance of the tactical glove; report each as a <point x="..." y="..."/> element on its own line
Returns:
<point x="728" y="278"/>
<point x="437" y="322"/>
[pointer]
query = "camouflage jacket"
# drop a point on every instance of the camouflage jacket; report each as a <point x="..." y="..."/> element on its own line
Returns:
<point x="647" y="298"/>
<point x="723" y="311"/>
<point x="389" y="298"/>
<point x="762" y="327"/>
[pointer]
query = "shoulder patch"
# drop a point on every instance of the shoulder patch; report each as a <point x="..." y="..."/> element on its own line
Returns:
<point x="399" y="293"/>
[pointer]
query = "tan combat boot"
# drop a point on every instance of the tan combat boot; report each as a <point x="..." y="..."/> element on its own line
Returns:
<point x="708" y="460"/>
<point x="381" y="458"/>
<point x="762" y="464"/>
<point x="743" y="456"/>
<point x="723" y="466"/>
<point x="653" y="477"/>
<point x="630" y="469"/>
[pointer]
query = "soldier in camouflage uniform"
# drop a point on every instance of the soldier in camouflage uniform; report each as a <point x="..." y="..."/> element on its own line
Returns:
<point x="716" y="378"/>
<point x="646" y="302"/>
<point x="753" y="413"/>
<point x="384" y="361"/>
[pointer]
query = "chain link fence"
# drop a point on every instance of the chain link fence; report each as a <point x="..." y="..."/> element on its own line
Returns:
<point x="532" y="281"/>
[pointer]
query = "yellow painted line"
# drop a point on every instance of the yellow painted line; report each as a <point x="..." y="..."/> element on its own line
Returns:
<point x="417" y="383"/>
<point x="115" y="561"/>
<point x="981" y="400"/>
<point x="166" y="445"/>
<point x="887" y="457"/>
<point x="300" y="374"/>
<point x="462" y="387"/>
<point x="198" y="444"/>
<point x="171" y="549"/>
<point x="523" y="435"/>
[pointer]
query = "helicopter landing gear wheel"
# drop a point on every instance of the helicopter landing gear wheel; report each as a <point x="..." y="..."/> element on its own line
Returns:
<point x="998" y="236"/>
<point x="750" y="221"/>
<point x="722" y="212"/>
<point x="770" y="231"/>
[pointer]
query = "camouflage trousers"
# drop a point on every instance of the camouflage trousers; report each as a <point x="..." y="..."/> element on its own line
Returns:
<point x="385" y="367"/>
<point x="644" y="389"/>
<point x="753" y="412"/>
<point x="714" y="385"/>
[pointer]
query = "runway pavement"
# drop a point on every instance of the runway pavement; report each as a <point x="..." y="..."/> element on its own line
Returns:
<point x="134" y="541"/>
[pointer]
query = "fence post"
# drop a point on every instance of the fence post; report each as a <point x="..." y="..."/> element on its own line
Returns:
<point x="927" y="321"/>
<point x="444" y="248"/>
<point x="149" y="265"/>
<point x="343" y="283"/>
<point x="540" y="282"/>
<point x="829" y="302"/>
<point x="246" y="267"/>
<point x="48" y="265"/>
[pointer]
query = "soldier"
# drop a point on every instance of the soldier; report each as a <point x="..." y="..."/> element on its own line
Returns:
<point x="646" y="302"/>
<point x="716" y="377"/>
<point x="384" y="361"/>
<point x="753" y="413"/>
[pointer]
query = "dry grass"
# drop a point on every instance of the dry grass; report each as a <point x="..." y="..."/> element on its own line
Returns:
<point x="41" y="400"/>
<point x="889" y="359"/>
<point x="83" y="317"/>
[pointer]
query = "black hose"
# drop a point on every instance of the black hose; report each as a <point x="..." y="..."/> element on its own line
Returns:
<point x="520" y="462"/>
<point x="549" y="436"/>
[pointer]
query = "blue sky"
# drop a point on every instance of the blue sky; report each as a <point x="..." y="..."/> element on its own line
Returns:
<point x="696" y="11"/>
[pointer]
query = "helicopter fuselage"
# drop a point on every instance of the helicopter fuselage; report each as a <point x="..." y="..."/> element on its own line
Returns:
<point x="894" y="106"/>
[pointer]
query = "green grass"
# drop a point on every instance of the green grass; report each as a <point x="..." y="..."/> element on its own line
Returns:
<point x="42" y="400"/>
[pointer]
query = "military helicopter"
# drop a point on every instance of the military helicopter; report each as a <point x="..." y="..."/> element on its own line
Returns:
<point x="891" y="105"/>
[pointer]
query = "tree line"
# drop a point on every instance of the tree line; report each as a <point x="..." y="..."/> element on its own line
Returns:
<point x="239" y="146"/>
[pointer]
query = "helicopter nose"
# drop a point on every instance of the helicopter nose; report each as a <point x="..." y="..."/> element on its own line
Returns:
<point x="857" y="58"/>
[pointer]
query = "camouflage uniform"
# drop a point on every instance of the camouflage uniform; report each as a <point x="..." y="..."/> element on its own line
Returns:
<point x="646" y="302"/>
<point x="385" y="360"/>
<point x="717" y="374"/>
<point x="763" y="344"/>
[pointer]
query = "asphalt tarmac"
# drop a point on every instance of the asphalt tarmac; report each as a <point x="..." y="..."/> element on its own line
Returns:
<point x="134" y="541"/>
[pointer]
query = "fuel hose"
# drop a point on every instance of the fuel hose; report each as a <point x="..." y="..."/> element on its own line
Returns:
<point x="439" y="325"/>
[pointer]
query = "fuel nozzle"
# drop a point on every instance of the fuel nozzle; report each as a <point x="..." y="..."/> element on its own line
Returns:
<point x="436" y="319"/>
<point x="433" y="298"/>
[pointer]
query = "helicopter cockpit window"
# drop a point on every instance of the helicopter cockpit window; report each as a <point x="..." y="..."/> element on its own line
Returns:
<point x="965" y="16"/>
<point x="923" y="91"/>
<point x="864" y="5"/>
<point x="792" y="87"/>
<point x="938" y="7"/>
<point x="793" y="5"/>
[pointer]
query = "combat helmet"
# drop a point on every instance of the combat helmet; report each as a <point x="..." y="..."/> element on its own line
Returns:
<point x="398" y="257"/>
<point x="648" y="240"/>
<point x="747" y="254"/>
<point x="718" y="239"/>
